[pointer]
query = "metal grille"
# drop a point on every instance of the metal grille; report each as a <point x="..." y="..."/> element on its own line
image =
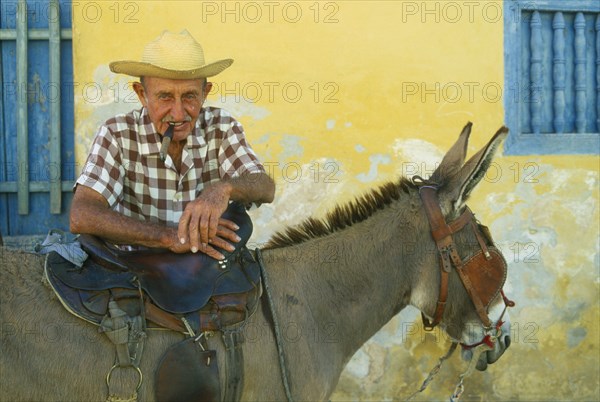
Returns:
<point x="552" y="85"/>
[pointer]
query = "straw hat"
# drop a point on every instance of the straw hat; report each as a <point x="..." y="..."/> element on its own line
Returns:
<point x="174" y="56"/>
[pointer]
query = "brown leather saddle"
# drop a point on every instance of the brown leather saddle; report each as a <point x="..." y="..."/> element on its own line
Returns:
<point x="177" y="283"/>
<point x="183" y="292"/>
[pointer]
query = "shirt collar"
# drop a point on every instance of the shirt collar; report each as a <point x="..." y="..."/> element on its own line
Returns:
<point x="149" y="140"/>
<point x="196" y="138"/>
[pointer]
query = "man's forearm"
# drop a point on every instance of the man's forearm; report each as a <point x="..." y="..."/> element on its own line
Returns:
<point x="119" y="229"/>
<point x="252" y="187"/>
<point x="199" y="221"/>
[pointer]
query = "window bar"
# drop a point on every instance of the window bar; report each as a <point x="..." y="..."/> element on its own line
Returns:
<point x="559" y="71"/>
<point x="536" y="72"/>
<point x="22" y="129"/>
<point x="580" y="59"/>
<point x="34" y="34"/>
<point x="54" y="134"/>
<point x="3" y="151"/>
<point x="598" y="73"/>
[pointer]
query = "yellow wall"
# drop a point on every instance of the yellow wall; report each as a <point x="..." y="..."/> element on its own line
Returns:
<point x="345" y="95"/>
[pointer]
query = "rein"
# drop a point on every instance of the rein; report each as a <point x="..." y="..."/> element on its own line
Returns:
<point x="490" y="338"/>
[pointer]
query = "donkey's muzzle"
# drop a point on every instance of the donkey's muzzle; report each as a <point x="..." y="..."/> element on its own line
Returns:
<point x="492" y="356"/>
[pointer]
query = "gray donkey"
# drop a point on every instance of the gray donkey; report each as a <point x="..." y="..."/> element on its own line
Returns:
<point x="335" y="282"/>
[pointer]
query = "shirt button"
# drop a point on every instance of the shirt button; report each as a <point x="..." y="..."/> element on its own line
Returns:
<point x="177" y="198"/>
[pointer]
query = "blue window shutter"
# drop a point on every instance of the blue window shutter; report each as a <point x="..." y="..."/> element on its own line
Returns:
<point x="43" y="153"/>
<point x="552" y="77"/>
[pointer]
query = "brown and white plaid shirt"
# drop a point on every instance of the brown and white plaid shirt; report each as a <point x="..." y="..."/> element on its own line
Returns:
<point x="124" y="164"/>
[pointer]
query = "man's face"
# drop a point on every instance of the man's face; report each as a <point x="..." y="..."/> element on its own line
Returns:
<point x="177" y="101"/>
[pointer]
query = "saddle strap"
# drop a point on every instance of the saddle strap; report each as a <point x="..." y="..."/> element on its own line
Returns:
<point x="234" y="363"/>
<point x="126" y="333"/>
<point x="218" y="318"/>
<point x="275" y="327"/>
<point x="128" y="336"/>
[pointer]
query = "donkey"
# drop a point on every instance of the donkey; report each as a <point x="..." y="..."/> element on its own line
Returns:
<point x="334" y="283"/>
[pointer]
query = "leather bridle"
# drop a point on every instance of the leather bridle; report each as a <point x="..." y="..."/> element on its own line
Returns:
<point x="483" y="275"/>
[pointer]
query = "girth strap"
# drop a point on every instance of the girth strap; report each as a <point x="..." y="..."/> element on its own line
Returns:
<point x="234" y="362"/>
<point x="275" y="327"/>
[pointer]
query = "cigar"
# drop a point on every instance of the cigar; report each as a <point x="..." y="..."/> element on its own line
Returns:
<point x="166" y="141"/>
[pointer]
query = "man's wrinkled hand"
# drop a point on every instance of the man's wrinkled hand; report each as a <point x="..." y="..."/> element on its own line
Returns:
<point x="223" y="239"/>
<point x="201" y="224"/>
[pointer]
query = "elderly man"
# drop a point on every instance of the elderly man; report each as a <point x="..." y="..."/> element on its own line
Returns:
<point x="128" y="194"/>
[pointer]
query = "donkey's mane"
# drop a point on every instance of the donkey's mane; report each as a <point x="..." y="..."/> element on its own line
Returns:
<point x="342" y="215"/>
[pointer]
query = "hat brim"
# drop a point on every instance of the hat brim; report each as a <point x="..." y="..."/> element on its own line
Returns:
<point x="141" y="69"/>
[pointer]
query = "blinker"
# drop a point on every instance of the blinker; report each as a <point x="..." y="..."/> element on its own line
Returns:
<point x="487" y="276"/>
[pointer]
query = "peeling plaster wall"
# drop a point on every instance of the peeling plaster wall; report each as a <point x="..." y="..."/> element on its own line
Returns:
<point x="338" y="97"/>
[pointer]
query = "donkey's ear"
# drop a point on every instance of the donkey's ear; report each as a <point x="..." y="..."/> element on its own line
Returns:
<point x="454" y="158"/>
<point x="474" y="170"/>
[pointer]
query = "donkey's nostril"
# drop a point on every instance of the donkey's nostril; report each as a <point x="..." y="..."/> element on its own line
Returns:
<point x="507" y="341"/>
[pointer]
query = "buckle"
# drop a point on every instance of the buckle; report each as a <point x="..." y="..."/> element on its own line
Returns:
<point x="423" y="183"/>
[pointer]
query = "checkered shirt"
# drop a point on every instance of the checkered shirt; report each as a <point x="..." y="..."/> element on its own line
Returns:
<point x="124" y="164"/>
